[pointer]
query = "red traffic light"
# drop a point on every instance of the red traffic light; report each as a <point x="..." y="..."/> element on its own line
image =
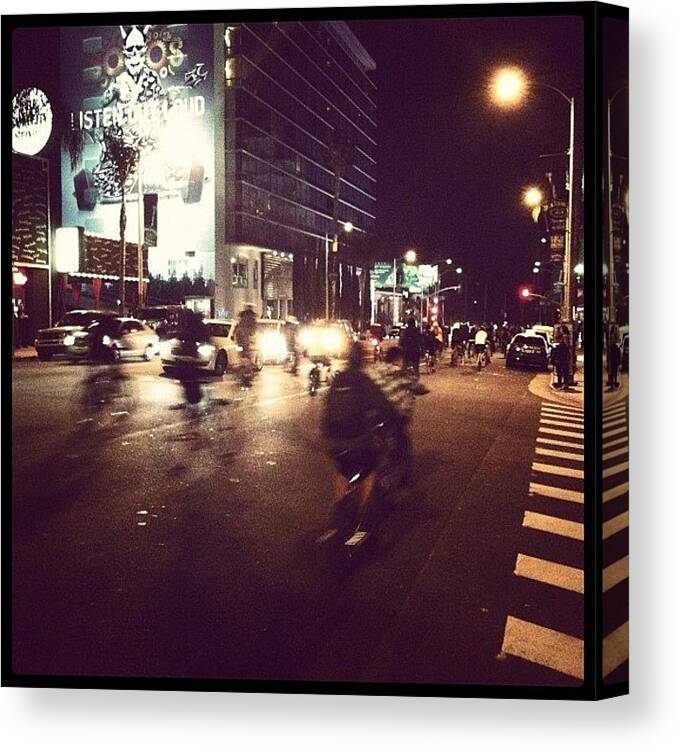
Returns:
<point x="524" y="292"/>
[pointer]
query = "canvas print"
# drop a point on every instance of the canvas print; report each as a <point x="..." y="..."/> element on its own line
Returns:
<point x="303" y="333"/>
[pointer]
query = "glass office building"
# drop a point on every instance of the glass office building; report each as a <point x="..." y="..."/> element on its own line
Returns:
<point x="300" y="161"/>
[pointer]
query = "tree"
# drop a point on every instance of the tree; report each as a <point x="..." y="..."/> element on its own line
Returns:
<point x="122" y="153"/>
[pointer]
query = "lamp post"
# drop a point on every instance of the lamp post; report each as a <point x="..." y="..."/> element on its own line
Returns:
<point x="508" y="87"/>
<point x="348" y="227"/>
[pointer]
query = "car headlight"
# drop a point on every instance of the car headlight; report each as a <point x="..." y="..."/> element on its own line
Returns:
<point x="106" y="340"/>
<point x="69" y="340"/>
<point x="205" y="350"/>
<point x="305" y="338"/>
<point x="273" y="346"/>
<point x="165" y="348"/>
<point x="332" y="341"/>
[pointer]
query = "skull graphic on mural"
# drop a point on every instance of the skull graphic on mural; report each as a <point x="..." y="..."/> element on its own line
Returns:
<point x="134" y="49"/>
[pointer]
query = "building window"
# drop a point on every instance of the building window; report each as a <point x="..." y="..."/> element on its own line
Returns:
<point x="239" y="272"/>
<point x="255" y="274"/>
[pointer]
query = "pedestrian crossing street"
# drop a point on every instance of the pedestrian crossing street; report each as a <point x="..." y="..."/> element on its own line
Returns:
<point x="546" y="626"/>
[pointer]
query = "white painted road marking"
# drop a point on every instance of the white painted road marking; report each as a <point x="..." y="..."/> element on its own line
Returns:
<point x="564" y="443"/>
<point x="615" y="525"/>
<point x="557" y="492"/>
<point x="562" y="433"/>
<point x="553" y="573"/>
<point x="553" y="525"/>
<point x="543" y="646"/>
<point x="615" y="649"/>
<point x="560" y="454"/>
<point x="615" y="492"/>
<point x="615" y="573"/>
<point x="561" y="471"/>
<point x="617" y="469"/>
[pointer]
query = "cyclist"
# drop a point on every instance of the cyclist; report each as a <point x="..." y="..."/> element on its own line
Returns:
<point x="480" y="342"/>
<point x="411" y="344"/>
<point x="244" y="335"/>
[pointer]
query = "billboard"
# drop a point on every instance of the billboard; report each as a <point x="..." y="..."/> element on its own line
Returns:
<point x="413" y="278"/>
<point x="149" y="88"/>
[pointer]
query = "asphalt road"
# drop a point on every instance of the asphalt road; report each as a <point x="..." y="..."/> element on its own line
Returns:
<point x="153" y="538"/>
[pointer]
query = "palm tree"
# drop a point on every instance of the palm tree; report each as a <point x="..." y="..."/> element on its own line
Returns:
<point x="122" y="153"/>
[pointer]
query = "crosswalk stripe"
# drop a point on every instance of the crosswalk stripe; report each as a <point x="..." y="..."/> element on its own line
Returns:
<point x="564" y="443"/>
<point x="615" y="525"/>
<point x="615" y="409"/>
<point x="607" y="423"/>
<point x="544" y="646"/>
<point x="615" y="492"/>
<point x="561" y="423"/>
<point x="617" y="431"/>
<point x="615" y="469"/>
<point x="615" y="453"/>
<point x="556" y="492"/>
<point x="561" y="471"/>
<point x="553" y="573"/>
<point x="553" y="525"/>
<point x="562" y="433"/>
<point x="561" y="415"/>
<point x="615" y="649"/>
<point x="615" y="573"/>
<point x="562" y="407"/>
<point x="616" y="441"/>
<point x="559" y="454"/>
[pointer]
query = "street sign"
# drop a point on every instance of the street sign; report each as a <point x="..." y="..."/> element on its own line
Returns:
<point x="557" y="220"/>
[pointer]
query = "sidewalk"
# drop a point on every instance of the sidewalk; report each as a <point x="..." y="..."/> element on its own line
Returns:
<point x="26" y="352"/>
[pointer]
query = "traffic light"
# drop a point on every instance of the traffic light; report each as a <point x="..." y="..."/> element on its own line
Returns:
<point x="524" y="293"/>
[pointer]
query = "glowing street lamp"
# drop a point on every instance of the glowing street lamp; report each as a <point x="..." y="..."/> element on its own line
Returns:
<point x="411" y="257"/>
<point x="347" y="226"/>
<point x="508" y="87"/>
<point x="579" y="269"/>
<point x="533" y="197"/>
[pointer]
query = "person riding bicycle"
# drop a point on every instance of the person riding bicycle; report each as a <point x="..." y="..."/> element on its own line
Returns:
<point x="359" y="423"/>
<point x="245" y="334"/>
<point x="480" y="341"/>
<point x="430" y="344"/>
<point x="411" y="344"/>
<point x="437" y="333"/>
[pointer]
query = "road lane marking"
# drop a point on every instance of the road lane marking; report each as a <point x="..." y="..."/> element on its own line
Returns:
<point x="616" y="453"/>
<point x="560" y="423"/>
<point x="556" y="492"/>
<point x="615" y="492"/>
<point x="617" y="441"/>
<point x="564" y="443"/>
<point x="607" y="423"/>
<point x="559" y="454"/>
<point x="553" y="573"/>
<point x="615" y="525"/>
<point x="615" y="573"/>
<point x="615" y="649"/>
<point x="553" y="525"/>
<point x="561" y="415"/>
<point x="615" y="469"/>
<point x="562" y="407"/>
<point x="617" y="431"/>
<point x="544" y="646"/>
<point x="561" y="471"/>
<point x="562" y="433"/>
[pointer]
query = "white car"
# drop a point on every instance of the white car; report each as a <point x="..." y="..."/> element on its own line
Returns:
<point x="216" y="350"/>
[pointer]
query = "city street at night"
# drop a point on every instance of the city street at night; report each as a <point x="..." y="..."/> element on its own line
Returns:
<point x="152" y="538"/>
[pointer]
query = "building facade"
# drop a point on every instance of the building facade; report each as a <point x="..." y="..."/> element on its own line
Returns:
<point x="256" y="149"/>
<point x="300" y="159"/>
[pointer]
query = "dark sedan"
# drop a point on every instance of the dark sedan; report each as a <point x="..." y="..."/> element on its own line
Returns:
<point x="527" y="350"/>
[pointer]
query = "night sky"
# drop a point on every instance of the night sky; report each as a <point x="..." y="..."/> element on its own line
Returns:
<point x="451" y="165"/>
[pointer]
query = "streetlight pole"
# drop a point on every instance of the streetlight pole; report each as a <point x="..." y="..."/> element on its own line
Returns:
<point x="567" y="260"/>
<point x="395" y="316"/>
<point x="327" y="277"/>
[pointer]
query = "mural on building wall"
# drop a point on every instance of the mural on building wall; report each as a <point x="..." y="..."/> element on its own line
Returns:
<point x="151" y="87"/>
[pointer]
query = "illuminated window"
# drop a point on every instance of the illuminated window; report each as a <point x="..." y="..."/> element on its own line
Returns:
<point x="239" y="272"/>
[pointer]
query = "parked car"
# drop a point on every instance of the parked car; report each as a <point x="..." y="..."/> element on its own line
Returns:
<point x="113" y="338"/>
<point x="213" y="350"/>
<point x="51" y="342"/>
<point x="528" y="350"/>
<point x="546" y="332"/>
